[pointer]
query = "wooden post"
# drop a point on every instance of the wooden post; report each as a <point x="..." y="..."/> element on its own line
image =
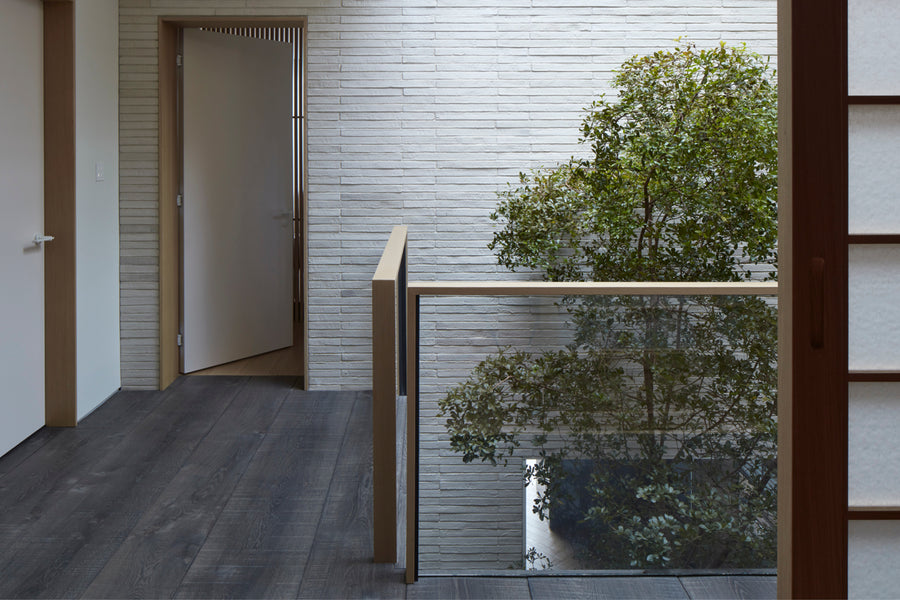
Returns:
<point x="59" y="214"/>
<point x="385" y="292"/>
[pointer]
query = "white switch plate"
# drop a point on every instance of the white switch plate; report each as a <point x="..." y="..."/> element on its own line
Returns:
<point x="98" y="168"/>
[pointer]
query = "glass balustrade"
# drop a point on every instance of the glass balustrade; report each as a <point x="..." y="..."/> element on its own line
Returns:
<point x="598" y="433"/>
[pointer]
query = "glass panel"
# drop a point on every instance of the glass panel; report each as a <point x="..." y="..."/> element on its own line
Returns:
<point x="873" y="568"/>
<point x="873" y="47"/>
<point x="874" y="169"/>
<point x="874" y="458"/>
<point x="597" y="433"/>
<point x="874" y="327"/>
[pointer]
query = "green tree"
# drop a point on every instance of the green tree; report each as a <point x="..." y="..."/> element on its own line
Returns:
<point x="663" y="407"/>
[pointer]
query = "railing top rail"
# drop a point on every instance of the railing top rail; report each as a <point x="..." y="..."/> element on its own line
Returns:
<point x="594" y="288"/>
<point x="392" y="257"/>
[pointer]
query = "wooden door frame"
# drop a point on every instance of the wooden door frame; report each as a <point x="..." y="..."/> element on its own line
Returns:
<point x="813" y="436"/>
<point x="60" y="351"/>
<point x="170" y="176"/>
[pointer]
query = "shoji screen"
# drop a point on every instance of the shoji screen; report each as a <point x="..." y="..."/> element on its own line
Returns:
<point x="873" y="79"/>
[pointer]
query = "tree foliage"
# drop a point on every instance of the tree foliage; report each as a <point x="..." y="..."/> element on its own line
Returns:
<point x="663" y="407"/>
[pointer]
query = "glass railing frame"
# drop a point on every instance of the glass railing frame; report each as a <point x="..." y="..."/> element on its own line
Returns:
<point x="416" y="290"/>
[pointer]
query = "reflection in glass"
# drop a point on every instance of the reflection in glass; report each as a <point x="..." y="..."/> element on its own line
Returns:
<point x="647" y="441"/>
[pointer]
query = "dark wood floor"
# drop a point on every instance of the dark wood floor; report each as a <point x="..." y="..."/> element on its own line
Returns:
<point x="234" y="487"/>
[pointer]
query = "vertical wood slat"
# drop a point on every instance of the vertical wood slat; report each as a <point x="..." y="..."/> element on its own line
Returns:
<point x="818" y="410"/>
<point x="386" y="289"/>
<point x="59" y="215"/>
<point x="784" y="523"/>
<point x="170" y="229"/>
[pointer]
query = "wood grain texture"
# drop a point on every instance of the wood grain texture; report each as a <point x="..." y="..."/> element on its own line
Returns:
<point x="818" y="435"/>
<point x="80" y="522"/>
<point x="743" y="586"/>
<point x="236" y="21"/>
<point x="876" y="100"/>
<point x="59" y="215"/>
<point x="614" y="588"/>
<point x="385" y="290"/>
<point x="32" y="487"/>
<point x="154" y="558"/>
<point x="439" y="588"/>
<point x="27" y="447"/>
<point x="873" y="238"/>
<point x="874" y="376"/>
<point x="340" y="565"/>
<point x="226" y="487"/>
<point x="169" y="223"/>
<point x="873" y="513"/>
<point x="261" y="541"/>
<point x="595" y="288"/>
<point x="785" y="298"/>
<point x="389" y="265"/>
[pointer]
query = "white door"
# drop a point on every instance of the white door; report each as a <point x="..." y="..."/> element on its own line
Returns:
<point x="237" y="198"/>
<point x="21" y="217"/>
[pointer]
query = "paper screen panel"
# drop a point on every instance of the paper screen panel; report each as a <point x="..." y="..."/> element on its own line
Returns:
<point x="874" y="169"/>
<point x="874" y="452"/>
<point x="873" y="47"/>
<point x="873" y="558"/>
<point x="874" y="307"/>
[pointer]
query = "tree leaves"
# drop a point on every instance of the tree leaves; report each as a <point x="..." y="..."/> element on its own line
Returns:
<point x="668" y="404"/>
<point x="680" y="185"/>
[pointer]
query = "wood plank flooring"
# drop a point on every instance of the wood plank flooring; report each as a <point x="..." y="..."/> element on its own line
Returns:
<point x="234" y="487"/>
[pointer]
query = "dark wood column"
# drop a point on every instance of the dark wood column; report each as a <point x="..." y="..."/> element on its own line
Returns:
<point x="59" y="213"/>
<point x="818" y="255"/>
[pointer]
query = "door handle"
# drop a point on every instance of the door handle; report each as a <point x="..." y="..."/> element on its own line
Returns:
<point x="817" y="302"/>
<point x="40" y="238"/>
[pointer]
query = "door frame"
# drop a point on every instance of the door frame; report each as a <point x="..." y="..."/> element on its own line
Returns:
<point x="60" y="392"/>
<point x="170" y="165"/>
<point x="813" y="437"/>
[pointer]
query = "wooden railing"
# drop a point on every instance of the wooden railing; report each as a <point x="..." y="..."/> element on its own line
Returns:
<point x="416" y="290"/>
<point x="388" y="381"/>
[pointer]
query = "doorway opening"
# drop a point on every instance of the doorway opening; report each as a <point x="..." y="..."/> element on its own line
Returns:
<point x="285" y="352"/>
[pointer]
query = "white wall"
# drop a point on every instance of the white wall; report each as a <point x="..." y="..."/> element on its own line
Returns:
<point x="96" y="202"/>
<point x="419" y="112"/>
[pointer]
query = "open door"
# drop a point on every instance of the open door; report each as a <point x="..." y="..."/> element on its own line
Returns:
<point x="237" y="208"/>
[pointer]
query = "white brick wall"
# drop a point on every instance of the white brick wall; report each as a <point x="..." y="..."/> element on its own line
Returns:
<point x="419" y="111"/>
